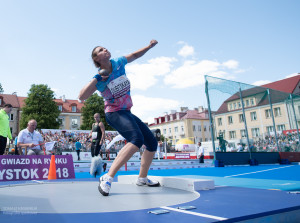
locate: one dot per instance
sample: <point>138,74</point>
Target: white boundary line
<point>195,213</point>
<point>257,171</point>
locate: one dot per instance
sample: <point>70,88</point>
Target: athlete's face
<point>102,54</point>
<point>97,118</point>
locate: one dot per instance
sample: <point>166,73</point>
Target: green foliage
<point>94,104</point>
<point>1,89</point>
<point>40,105</point>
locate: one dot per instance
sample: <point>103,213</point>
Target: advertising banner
<point>182,156</point>
<point>14,168</point>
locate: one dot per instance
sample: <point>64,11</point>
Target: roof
<point>10,99</point>
<point>19,102</point>
<point>189,114</point>
<point>68,103</point>
<point>286,85</point>
<point>276,96</point>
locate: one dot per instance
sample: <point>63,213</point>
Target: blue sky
<point>50,42</point>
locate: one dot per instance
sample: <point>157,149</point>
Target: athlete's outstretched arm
<point>88,90</point>
<point>133,56</point>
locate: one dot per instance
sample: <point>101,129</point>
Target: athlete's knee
<point>152,145</point>
<point>137,140</point>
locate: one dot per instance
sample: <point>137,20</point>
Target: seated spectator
<point>31,139</point>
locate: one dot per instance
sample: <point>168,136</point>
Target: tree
<point>94,104</point>
<point>40,105</point>
<point>1,89</point>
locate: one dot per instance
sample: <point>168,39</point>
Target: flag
<point>49,145</point>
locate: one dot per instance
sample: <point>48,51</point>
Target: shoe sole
<point>149,185</point>
<point>102,192</point>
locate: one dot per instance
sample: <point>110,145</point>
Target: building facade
<point>69,118</point>
<point>192,124</point>
<point>229,119</point>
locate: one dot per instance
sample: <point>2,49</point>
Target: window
<point>170,130</point>
<point>60,107</point>
<point>270,129</point>
<point>165,131</point>
<point>0,101</point>
<point>239,104</point>
<point>74,122</point>
<point>232,134</point>
<point>253,116</point>
<point>280,127</point>
<point>182,129</point>
<point>252,101</point>
<point>241,117</point>
<point>268,113</point>
<point>194,128</point>
<point>204,128</point>
<point>234,105</point>
<point>277,112</point>
<point>231,107</point>
<point>243,133</point>
<point>11,117</point>
<point>255,132</point>
<point>219,121</point>
<point>60,121</point>
<point>299,109</point>
<point>199,128</point>
<point>247,103</point>
<point>176,129</point>
<point>73,108</point>
<point>230,121</point>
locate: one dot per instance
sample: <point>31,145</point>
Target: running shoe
<point>105,184</point>
<point>147,182</point>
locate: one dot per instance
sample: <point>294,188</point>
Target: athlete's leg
<point>125,124</point>
<point>151,147</point>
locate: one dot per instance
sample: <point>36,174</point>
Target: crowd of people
<point>286,143</point>
<point>65,141</point>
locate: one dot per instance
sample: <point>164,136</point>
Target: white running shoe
<point>147,182</point>
<point>105,184</point>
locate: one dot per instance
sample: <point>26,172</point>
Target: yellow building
<point>229,117</point>
<point>193,124</point>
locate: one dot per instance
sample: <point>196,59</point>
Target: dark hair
<point>97,64</point>
<point>7,106</point>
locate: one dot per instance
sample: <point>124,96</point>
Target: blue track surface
<point>278,177</point>
<point>240,195</point>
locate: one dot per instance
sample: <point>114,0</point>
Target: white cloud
<point>186,51</point>
<point>261,82</point>
<point>143,76</point>
<point>191,73</point>
<point>292,75</point>
<point>231,64</point>
<point>148,108</point>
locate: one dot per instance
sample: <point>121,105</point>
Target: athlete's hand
<point>153,43</point>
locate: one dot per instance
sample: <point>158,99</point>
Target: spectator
<point>200,152</point>
<point>4,127</point>
<point>77,148</point>
<point>31,138</point>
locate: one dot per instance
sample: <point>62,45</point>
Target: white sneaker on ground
<point>147,182</point>
<point>105,184</point>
